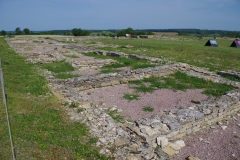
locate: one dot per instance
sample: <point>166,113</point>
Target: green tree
<point>18,30</point>
<point>3,32</point>
<point>26,31</point>
<point>76,32</point>
<point>80,32</point>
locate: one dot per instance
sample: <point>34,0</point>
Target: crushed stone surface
<point>160,100</point>
<point>214,143</point>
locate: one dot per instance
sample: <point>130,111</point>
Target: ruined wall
<point>186,120</point>
<point>103,80</point>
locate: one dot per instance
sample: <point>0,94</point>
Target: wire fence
<point>6,108</point>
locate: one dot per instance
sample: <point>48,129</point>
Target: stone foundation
<point>140,140</point>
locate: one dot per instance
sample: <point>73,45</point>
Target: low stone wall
<point>230,73</point>
<point>103,80</point>
<point>186,120</point>
<point>212,76</point>
<point>131,56</point>
<point>96,64</point>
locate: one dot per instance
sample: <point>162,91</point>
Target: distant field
<point>42,36</point>
<point>165,33</point>
<point>182,49</point>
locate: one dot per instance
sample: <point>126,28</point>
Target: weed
<point>80,110</point>
<point>122,47</point>
<point>58,67</point>
<point>148,109</point>
<point>71,55</point>
<point>101,103</point>
<point>235,136</point>
<point>114,115</point>
<point>131,97</point>
<point>65,103</point>
<point>143,88</point>
<point>73,105</point>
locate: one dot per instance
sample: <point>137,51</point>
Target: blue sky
<point>119,14</point>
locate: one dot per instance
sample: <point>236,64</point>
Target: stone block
<point>123,81</point>
<point>162,141</point>
<point>189,131</point>
<point>104,84</point>
<point>121,141</point>
<point>195,129</point>
<point>174,146</point>
<point>182,130</point>
<point>180,135</point>
<point>115,82</point>
<point>169,151</point>
<point>172,134</point>
<point>204,123</point>
<point>86,87</point>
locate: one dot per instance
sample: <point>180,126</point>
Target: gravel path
<point>214,143</point>
<point>160,100</point>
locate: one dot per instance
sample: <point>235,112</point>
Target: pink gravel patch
<point>160,100</point>
<point>43,49</point>
<point>214,144</point>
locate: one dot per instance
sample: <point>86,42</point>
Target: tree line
<point>200,32</point>
<point>123,32</point>
<point>129,30</point>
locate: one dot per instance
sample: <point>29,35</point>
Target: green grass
<point>40,128</point>
<point>114,115</point>
<point>122,62</point>
<point>58,67</point>
<point>71,56</point>
<point>194,52</point>
<point>131,97</point>
<point>148,109</point>
<point>180,81</point>
<point>232,78</point>
<point>73,105</point>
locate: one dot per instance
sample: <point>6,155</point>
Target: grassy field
<point>180,81</point>
<point>188,50</point>
<point>121,62</point>
<point>40,128</point>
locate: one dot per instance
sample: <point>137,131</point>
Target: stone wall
<point>186,120</point>
<point>176,123</point>
<point>131,56</point>
<point>103,80</point>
